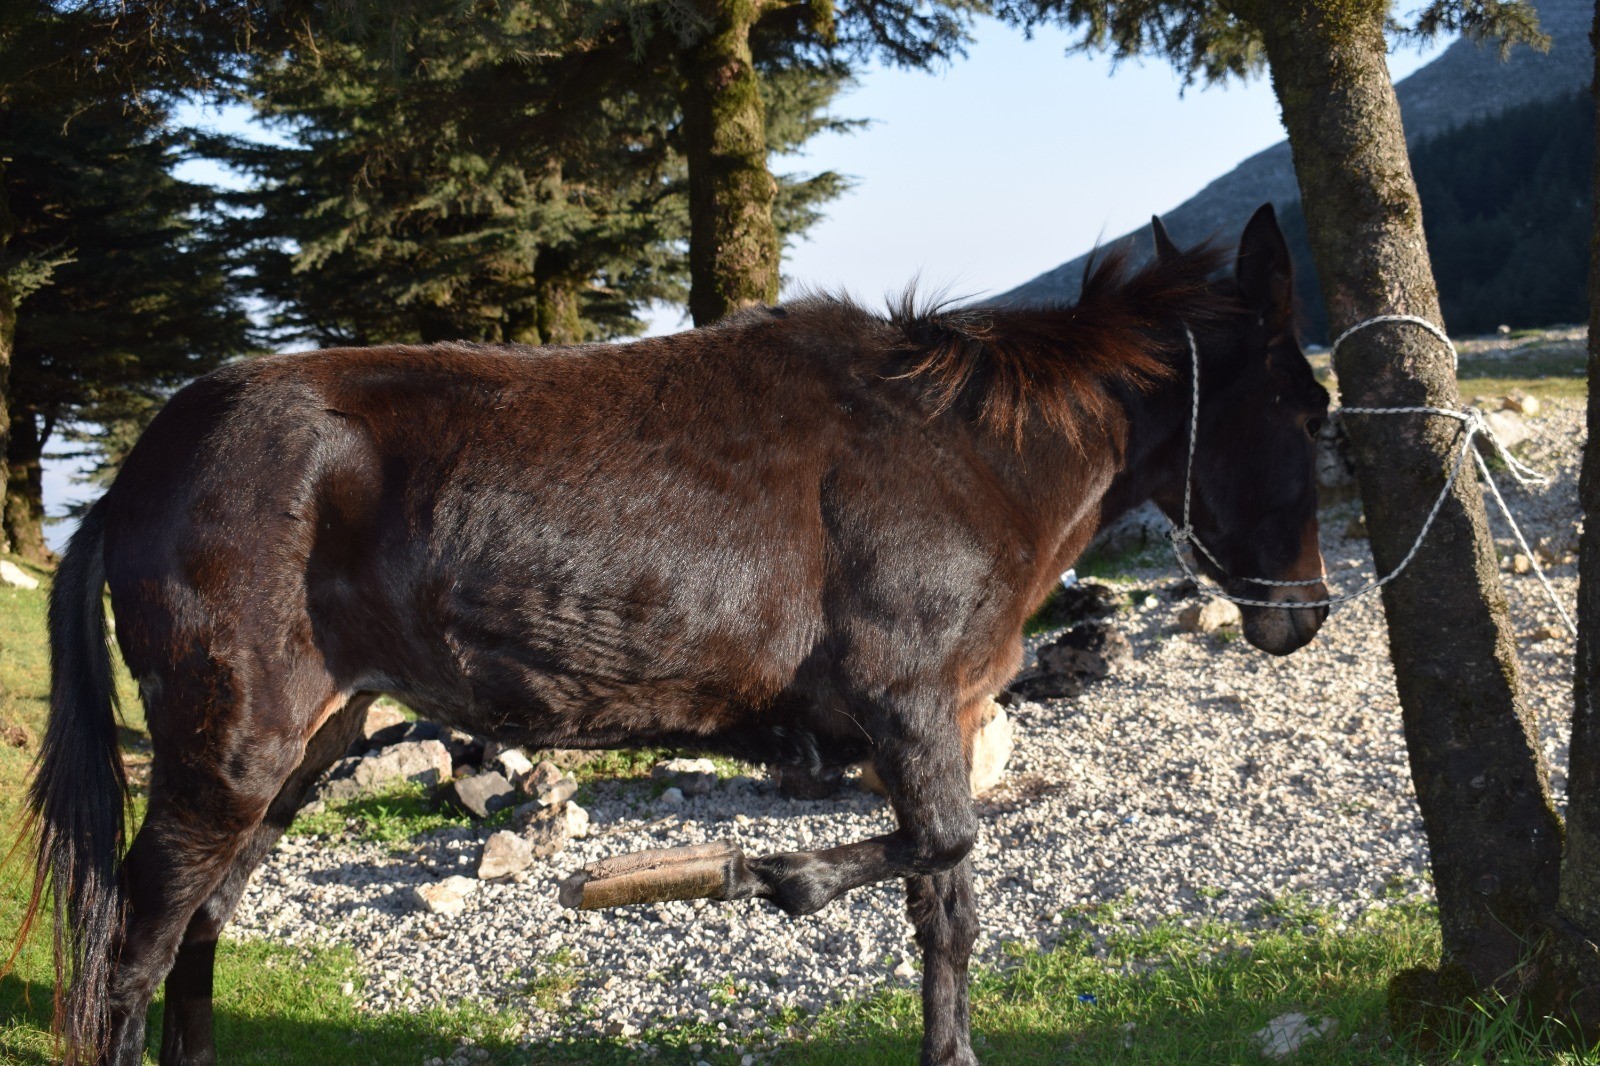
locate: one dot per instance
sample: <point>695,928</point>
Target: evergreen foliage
<point>499,178</point>
<point>118,292</point>
<point>1211,41</point>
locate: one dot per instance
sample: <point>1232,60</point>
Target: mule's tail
<point>78,798</point>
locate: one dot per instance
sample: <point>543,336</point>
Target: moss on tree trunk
<point>733,244</point>
<point>1570,969</point>
<point>558,312</point>
<point>1479,772</point>
<point>23,516</point>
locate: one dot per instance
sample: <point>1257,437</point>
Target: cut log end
<point>698,871</point>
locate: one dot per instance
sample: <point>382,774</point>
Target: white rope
<point>1473,424</point>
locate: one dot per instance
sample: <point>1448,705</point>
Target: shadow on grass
<point>282,1006</point>
<point>1167,993</point>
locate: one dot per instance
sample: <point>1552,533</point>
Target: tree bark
<point>1571,966</point>
<point>8,331</point>
<point>23,518</point>
<point>559,316</point>
<point>733,244</point>
<point>1479,773</point>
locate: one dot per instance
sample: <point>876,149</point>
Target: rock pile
<point>480,779</point>
<point>1083,654</point>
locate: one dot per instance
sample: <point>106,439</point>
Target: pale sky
<point>985,174</point>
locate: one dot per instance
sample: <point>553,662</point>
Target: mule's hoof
<point>697,871</point>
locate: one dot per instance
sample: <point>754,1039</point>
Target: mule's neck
<point>1152,461</point>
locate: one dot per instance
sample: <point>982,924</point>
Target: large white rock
<point>447,897</point>
<point>381,716</point>
<point>1284,1035</point>
<point>424,761</point>
<point>13,575</point>
<point>992,745</point>
<point>504,853</point>
<point>514,764</point>
<point>1209,616</point>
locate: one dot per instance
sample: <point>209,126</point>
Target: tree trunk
<point>1479,772</point>
<point>24,506</point>
<point>559,315</point>
<point>1571,967</point>
<point>733,244</point>
<point>8,330</point>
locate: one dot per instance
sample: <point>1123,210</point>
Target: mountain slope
<point>1467,82</point>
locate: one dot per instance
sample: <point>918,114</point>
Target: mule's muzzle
<point>1281,630</point>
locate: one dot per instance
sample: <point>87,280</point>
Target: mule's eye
<point>1313,427</point>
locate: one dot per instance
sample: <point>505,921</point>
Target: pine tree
<point>71,57</point>
<point>499,179</point>
<point>721,52</point>
<point>122,295</point>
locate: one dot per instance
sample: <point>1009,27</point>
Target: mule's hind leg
<point>209,790</point>
<point>187,1038</point>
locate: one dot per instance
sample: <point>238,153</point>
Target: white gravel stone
<point>1209,617</point>
<point>504,853</point>
<point>447,897</point>
<point>513,764</point>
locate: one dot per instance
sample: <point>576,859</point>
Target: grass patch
<point>551,987</point>
<point>396,815</point>
<point>1192,991</point>
<point>1186,991</point>
<point>1562,386</point>
<point>1554,370</point>
<point>1101,565</point>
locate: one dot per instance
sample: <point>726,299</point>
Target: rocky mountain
<point>1468,81</point>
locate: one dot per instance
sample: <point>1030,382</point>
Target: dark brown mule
<point>809,535</point>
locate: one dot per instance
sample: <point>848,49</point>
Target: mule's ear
<point>1166,251</point>
<point>1264,271</point>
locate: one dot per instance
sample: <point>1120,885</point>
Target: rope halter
<point>1473,424</point>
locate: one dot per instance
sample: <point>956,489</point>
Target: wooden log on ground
<point>696,871</point>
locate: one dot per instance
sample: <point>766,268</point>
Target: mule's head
<point>1254,503</point>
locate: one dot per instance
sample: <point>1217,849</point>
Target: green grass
<point>1555,370</point>
<point>1549,386</point>
<point>396,815</point>
<point>1186,991</point>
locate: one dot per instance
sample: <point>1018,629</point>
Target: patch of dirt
<point>15,735</point>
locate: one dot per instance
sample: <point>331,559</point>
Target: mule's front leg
<point>943,909</point>
<point>925,774</point>
<point>926,779</point>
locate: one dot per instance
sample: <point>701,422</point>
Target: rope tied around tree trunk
<point>1473,425</point>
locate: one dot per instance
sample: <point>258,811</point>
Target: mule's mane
<point>1062,362</point>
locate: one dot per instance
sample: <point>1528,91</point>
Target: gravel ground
<point>1204,778</point>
